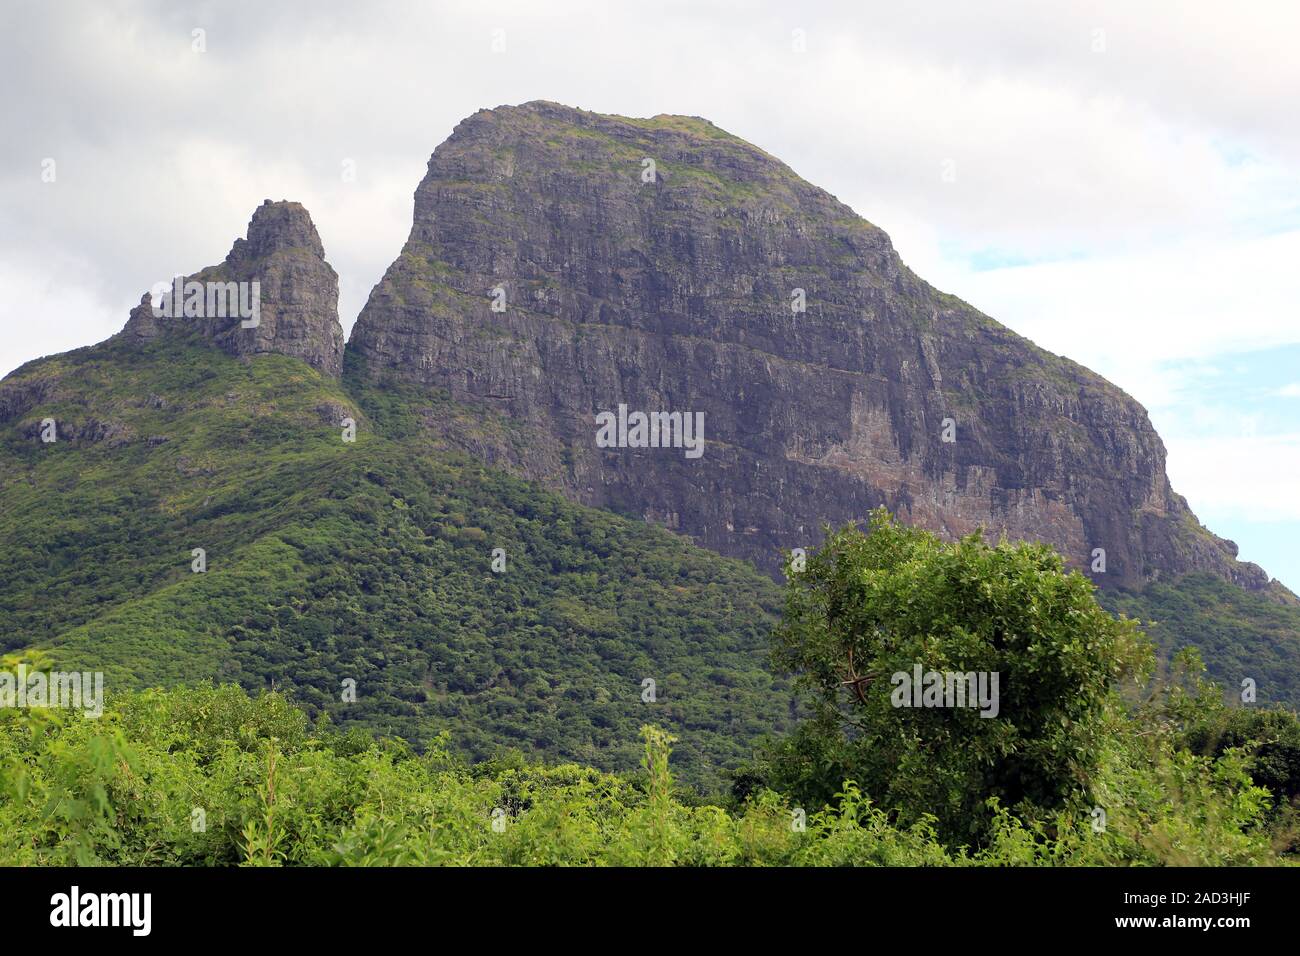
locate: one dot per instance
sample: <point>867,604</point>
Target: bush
<point>871,610</point>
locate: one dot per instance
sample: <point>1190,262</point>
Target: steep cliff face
<point>296,295</point>
<point>563,263</point>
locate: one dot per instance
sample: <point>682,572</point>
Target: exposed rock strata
<point>676,294</point>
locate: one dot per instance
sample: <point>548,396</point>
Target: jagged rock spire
<point>278,272</point>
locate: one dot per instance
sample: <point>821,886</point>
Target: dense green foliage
<point>368,561</point>
<point>872,609</point>
<point>1270,735</point>
<point>1239,634</point>
<point>210,776</point>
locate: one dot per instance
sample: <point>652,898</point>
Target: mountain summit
<point>281,267</point>
<point>565,264</point>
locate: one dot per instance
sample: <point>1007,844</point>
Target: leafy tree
<point>1266,738</point>
<point>870,607</point>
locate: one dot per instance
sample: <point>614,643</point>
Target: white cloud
<point>1246,477</point>
<point>1128,315</point>
<point>48,309</point>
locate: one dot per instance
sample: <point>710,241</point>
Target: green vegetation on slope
<point>204,776</point>
<point>214,776</point>
<point>1239,634</point>
<point>370,561</point>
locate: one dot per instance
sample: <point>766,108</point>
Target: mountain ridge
<point>665,292</point>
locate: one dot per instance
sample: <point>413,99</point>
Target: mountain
<point>676,292</point>
<point>549,278</point>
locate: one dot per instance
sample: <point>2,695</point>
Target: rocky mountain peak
<point>274,293</point>
<point>563,265</point>
<point>279,226</point>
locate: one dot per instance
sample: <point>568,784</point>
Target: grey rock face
<point>676,292</point>
<point>298,294</point>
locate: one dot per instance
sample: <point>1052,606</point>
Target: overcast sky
<point>1125,188</point>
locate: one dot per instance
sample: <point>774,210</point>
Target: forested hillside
<point>369,561</point>
<point>204,776</point>
<point>1240,634</point>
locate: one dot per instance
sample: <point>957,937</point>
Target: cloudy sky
<point>1123,178</point>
